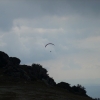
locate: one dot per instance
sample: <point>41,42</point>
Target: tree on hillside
<point>79,89</point>
<point>64,85</point>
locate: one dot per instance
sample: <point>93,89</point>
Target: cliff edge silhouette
<point>24,82</point>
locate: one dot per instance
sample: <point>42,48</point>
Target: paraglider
<point>49,44</point>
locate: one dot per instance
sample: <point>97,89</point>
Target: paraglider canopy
<point>49,44</point>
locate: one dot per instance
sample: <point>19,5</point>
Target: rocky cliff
<point>24,82</point>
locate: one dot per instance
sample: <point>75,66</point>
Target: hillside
<point>37,90</point>
<point>23,82</point>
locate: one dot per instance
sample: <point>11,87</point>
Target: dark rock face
<point>14,60</point>
<point>51,81</point>
<point>3,59</point>
<point>12,68</point>
<point>16,73</point>
<point>36,72</point>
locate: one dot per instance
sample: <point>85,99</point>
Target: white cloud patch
<point>74,68</point>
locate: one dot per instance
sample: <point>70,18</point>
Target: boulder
<point>15,60</point>
<point>4,58</point>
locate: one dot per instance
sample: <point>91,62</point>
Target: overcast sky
<point>26,26</point>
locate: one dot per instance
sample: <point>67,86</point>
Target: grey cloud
<point>87,8</point>
<point>28,49</point>
<point>16,9</point>
<point>10,10</point>
<point>72,25</point>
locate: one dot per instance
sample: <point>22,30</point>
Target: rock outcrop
<point>15,60</point>
<point>4,58</point>
<point>11,67</point>
<point>12,71</point>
